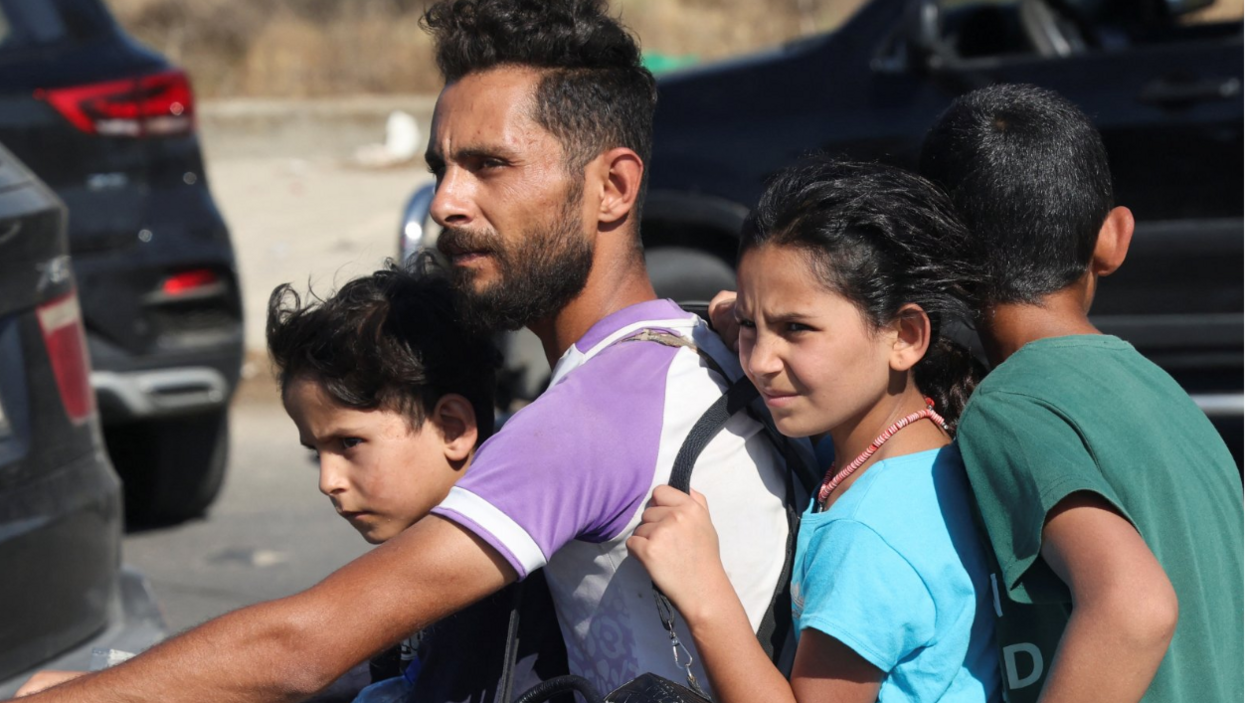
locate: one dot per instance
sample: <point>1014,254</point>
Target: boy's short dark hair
<point>1029,175</point>
<point>594,94</point>
<point>389,340</point>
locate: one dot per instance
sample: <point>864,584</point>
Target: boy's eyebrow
<point>336,433</point>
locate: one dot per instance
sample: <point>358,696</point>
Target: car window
<point>1217,13</point>
<point>26,25</point>
<point>973,29</point>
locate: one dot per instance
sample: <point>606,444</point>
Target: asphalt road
<point>270,534</point>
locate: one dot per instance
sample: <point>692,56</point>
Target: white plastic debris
<point>401,146</point>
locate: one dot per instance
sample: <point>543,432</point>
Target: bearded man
<point>539,144</point>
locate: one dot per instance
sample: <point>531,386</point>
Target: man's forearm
<point>251,654</point>
<point>288,649</point>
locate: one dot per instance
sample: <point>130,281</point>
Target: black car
<point>1165,92</point>
<point>110,126</point>
<point>64,591</point>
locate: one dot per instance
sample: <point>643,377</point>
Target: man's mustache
<point>455,240</point>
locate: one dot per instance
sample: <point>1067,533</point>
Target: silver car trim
<point>147,394</point>
<point>1220,404</point>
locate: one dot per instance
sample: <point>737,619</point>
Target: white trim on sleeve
<point>514,537</point>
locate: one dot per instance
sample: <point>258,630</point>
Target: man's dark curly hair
<point>593,95</point>
<point>389,340</point>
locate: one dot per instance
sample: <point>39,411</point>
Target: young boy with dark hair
<point>1101,485</point>
<point>394,396</point>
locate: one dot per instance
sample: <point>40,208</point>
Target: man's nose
<point>452,202</point>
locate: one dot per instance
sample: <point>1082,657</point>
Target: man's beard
<point>537,278</point>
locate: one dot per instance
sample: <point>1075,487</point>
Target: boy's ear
<point>914,334</point>
<point>620,171</point>
<point>1113,241</point>
<point>457,423</point>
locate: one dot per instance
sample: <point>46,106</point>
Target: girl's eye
<point>349,442</point>
<point>794,327</point>
<point>746,324</point>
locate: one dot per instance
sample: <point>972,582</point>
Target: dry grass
<point>307,48</point>
<point>288,48</point>
<point>303,48</point>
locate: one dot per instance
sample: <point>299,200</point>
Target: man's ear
<point>621,170</point>
<point>1113,241</point>
<point>913,335</point>
<point>457,425</point>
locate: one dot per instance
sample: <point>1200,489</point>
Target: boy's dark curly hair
<point>389,340</point>
<point>593,95</point>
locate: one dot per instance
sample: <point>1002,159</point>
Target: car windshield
<point>26,25</point>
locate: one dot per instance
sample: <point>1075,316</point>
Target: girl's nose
<point>760,356</point>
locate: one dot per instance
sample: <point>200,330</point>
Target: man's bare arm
<point>287,649</point>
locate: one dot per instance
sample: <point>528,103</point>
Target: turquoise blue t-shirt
<point>895,571</point>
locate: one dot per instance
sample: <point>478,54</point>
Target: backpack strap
<point>734,400</point>
<point>508,678</point>
<point>739,396</point>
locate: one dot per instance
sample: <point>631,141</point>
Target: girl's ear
<point>914,334</point>
<point>457,425</point>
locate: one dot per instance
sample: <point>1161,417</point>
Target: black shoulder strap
<point>734,400</point>
<point>508,678</point>
<point>772,631</point>
<point>737,398</point>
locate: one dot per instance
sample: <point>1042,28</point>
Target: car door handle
<point>7,233</point>
<point>1170,92</point>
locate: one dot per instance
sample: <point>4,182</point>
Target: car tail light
<point>60,320</point>
<point>158,104</point>
<point>188,281</point>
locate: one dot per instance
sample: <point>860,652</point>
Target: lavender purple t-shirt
<point>563,485</point>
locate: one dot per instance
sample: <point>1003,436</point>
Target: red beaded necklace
<point>832,480</point>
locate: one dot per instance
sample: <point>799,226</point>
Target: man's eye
<point>745,324</point>
<point>349,442</point>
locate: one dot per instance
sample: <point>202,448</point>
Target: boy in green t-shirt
<point>1106,495</point>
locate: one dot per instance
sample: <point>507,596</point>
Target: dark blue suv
<point>110,127</point>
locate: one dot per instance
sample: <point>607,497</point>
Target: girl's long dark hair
<point>882,238</point>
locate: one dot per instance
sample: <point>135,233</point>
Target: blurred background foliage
<point>313,48</point>
<point>309,48</point>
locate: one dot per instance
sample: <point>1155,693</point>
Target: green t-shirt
<point>1089,413</point>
